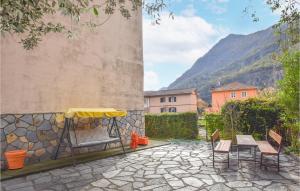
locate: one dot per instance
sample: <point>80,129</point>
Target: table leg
<point>254,157</point>
<point>238,156</point>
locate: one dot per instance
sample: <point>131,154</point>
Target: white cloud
<point>151,80</point>
<point>221,1</point>
<point>216,8</point>
<point>180,41</point>
<point>189,11</point>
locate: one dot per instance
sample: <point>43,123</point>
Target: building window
<point>146,102</point>
<point>162,99</point>
<point>244,94</point>
<point>163,109</point>
<point>232,94</point>
<point>172,99</point>
<point>172,109</point>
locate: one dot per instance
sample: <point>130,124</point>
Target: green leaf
<point>95,11</point>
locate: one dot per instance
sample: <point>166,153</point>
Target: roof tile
<point>169,92</point>
<point>234,86</point>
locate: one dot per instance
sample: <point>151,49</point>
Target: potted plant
<point>15,159</point>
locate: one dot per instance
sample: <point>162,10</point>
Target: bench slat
<point>266,148</point>
<point>223,146</point>
<point>92,143</point>
<point>275,136</point>
<point>215,135</point>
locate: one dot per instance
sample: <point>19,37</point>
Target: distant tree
<point>289,85</point>
<point>268,93</point>
<point>290,18</point>
<point>288,23</point>
<point>288,94</point>
<point>289,97</point>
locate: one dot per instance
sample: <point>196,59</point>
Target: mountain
<point>242,58</point>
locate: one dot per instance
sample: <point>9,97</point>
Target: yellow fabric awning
<point>94,112</point>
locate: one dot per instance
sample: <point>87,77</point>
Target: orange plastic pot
<point>143,141</point>
<point>134,140</point>
<point>15,159</point>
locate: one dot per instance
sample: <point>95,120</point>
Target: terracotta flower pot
<point>15,159</point>
<point>143,141</point>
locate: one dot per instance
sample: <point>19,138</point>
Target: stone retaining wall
<point>39,133</point>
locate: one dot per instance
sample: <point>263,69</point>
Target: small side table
<point>246,141</point>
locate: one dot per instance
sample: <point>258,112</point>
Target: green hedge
<point>213,121</point>
<point>255,116</point>
<point>252,117</point>
<point>172,125</point>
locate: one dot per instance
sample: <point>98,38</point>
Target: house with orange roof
<point>231,91</point>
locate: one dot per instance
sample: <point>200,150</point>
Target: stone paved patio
<point>179,166</point>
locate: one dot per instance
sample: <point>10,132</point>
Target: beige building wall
<point>103,68</point>
<point>184,103</point>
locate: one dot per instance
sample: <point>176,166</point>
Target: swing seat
<point>93,143</point>
<point>83,137</point>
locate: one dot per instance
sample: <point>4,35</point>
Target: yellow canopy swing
<point>71,113</point>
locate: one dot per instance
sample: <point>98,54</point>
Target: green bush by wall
<point>213,121</point>
<point>252,116</point>
<point>172,125</point>
<point>255,116</point>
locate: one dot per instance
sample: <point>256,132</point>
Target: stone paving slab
<point>68,161</point>
<point>184,165</point>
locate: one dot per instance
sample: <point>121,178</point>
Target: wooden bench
<point>267,149</point>
<point>223,146</point>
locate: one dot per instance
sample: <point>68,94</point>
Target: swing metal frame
<point>70,125</point>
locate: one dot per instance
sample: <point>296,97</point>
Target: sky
<point>172,47</point>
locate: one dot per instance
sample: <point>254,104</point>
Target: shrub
<point>172,125</point>
<point>289,86</point>
<point>252,116</point>
<point>290,131</point>
<point>255,116</point>
<point>289,97</point>
<point>213,121</point>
